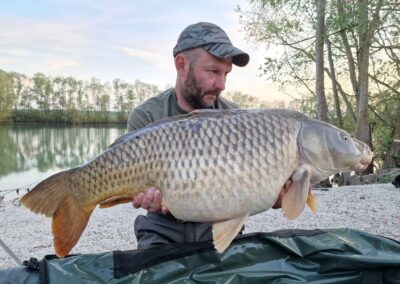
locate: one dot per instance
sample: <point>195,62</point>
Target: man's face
<point>205,80</point>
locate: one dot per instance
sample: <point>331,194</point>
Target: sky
<point>126,39</point>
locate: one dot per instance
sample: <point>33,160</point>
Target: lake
<point>30,153</point>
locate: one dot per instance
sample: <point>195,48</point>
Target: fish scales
<point>225,158</point>
<point>218,166</point>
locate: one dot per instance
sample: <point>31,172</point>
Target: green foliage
<point>305,105</point>
<point>384,119</point>
<point>283,23</point>
<point>66,100</point>
<point>44,99</point>
<point>288,29</point>
<point>68,117</point>
<point>6,95</point>
<point>42,90</point>
<point>245,101</point>
<point>382,138</point>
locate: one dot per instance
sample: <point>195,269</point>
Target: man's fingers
<point>157,197</point>
<point>165,210</point>
<point>287,185</point>
<point>284,190</point>
<point>156,203</point>
<point>137,200</point>
<point>148,198</point>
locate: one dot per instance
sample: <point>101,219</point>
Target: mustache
<point>212,92</point>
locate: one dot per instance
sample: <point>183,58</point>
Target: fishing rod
<point>26,188</point>
<point>2,244</point>
<point>10,252</point>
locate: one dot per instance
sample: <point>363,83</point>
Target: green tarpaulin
<point>295,256</point>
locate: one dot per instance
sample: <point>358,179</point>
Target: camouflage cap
<point>213,39</point>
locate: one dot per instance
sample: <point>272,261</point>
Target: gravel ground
<point>372,208</point>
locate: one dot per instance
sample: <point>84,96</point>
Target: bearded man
<point>203,59</point>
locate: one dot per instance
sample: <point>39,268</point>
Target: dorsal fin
<point>215,113</point>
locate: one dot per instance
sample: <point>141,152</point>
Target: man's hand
<point>285,189</point>
<point>150,200</point>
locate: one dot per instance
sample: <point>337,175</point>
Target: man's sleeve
<point>137,119</point>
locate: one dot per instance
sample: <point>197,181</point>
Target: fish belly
<point>229,168</point>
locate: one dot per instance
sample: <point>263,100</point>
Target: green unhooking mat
<point>293,256</point>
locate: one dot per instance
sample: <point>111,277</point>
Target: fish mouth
<point>365,162</point>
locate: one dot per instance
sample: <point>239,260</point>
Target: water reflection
<point>46,149</point>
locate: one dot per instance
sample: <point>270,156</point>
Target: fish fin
<point>224,232</point>
<point>195,113</point>
<point>312,202</point>
<point>47,196</point>
<point>69,221</point>
<point>115,200</point>
<point>294,201</point>
<point>53,198</point>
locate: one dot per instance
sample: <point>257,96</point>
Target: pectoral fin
<point>294,201</point>
<point>115,200</point>
<point>224,232</point>
<point>312,202</point>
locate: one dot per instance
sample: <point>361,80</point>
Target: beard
<point>195,96</point>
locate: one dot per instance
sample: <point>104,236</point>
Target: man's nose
<point>220,83</point>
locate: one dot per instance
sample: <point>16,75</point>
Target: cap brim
<point>225,50</point>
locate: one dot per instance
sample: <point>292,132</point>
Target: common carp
<point>210,165</point>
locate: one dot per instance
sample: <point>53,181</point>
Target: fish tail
<point>53,198</point>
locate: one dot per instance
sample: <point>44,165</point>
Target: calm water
<point>31,153</point>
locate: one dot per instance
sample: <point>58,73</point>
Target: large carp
<point>210,165</point>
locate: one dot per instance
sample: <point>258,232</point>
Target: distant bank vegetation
<point>67,100</point>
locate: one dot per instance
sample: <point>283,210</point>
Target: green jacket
<point>162,106</point>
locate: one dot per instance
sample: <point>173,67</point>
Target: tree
<point>59,96</point>
<point>142,91</point>
<point>6,95</point>
<point>357,33</point>
<point>18,87</point>
<point>338,111</point>
<point>392,158</point>
<point>322,106</point>
<point>42,91</point>
<point>245,101</point>
<point>121,92</point>
<point>94,90</point>
<point>386,126</point>
<point>104,100</point>
<point>73,91</point>
<point>366,31</point>
<point>79,90</point>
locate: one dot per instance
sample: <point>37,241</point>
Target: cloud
<point>151,57</point>
<point>32,45</point>
<point>59,64</point>
<point>14,52</point>
<point>27,34</point>
<point>161,60</point>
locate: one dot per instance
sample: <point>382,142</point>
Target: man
<point>203,58</point>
